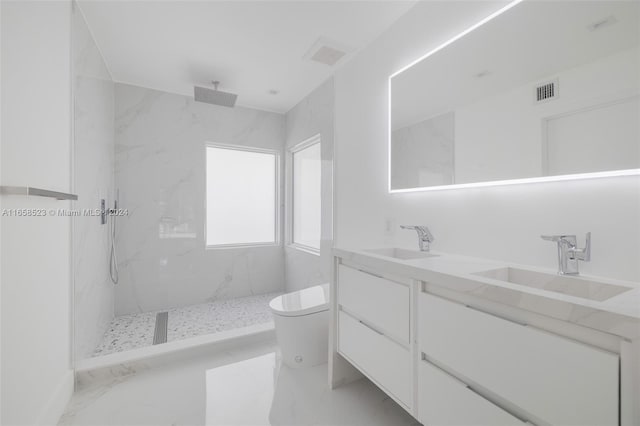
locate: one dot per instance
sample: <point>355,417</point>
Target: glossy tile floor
<point>239,385</point>
<point>136,330</point>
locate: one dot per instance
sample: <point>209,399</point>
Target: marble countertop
<point>618,315</point>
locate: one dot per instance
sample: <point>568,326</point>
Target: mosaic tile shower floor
<point>136,330</point>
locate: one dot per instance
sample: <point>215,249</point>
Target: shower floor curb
<point>140,354</point>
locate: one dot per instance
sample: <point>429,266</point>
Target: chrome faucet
<point>424,235</point>
<point>568,252</point>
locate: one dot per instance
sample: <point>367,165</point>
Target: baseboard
<point>58,401</point>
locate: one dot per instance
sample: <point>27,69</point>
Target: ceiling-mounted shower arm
<point>214,96</point>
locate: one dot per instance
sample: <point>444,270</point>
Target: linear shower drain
<point>160,332</point>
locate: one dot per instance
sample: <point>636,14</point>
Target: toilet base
<point>303,340</point>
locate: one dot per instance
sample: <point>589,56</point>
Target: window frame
<point>277,195</point>
<point>313,140</point>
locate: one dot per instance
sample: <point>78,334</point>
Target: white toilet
<point>302,326</point>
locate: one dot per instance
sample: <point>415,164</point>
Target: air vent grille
<point>547,91</point>
<point>327,55</point>
<point>328,52</point>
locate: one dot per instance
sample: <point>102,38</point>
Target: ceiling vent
<point>327,52</point>
<point>546,91</point>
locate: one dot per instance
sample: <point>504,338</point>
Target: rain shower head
<point>214,96</point>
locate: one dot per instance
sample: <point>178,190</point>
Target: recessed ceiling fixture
<point>601,23</point>
<point>327,52</point>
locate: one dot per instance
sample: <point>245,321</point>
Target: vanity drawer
<point>443,400</point>
<point>382,360</point>
<point>554,379</point>
<point>380,302</point>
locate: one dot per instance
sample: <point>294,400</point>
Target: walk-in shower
<point>144,152</point>
<point>219,316</point>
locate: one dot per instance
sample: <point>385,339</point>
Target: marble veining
<point>93,151</point>
<point>136,330</point>
<point>160,171</point>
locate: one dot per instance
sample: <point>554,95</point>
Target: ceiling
<point>251,47</point>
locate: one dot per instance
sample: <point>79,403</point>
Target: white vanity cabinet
<point>546,378</point>
<point>385,362</point>
<point>451,357</point>
<point>444,400</point>
<point>383,303</point>
<point>374,330</point>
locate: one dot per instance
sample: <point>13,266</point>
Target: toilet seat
<point>302,302</point>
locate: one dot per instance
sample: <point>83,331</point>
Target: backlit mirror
<point>543,90</point>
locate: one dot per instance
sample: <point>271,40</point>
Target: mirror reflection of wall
<point>423,153</point>
<point>558,94</point>
<point>573,142</point>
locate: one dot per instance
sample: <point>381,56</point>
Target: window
<point>241,196</point>
<point>306,206</point>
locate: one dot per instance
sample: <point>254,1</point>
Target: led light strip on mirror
<point>438,163</point>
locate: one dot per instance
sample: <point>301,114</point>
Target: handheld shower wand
<point>113,259</point>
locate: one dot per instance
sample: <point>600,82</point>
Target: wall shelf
<point>30,191</point>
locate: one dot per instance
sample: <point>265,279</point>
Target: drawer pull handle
<point>490,401</point>
<point>370,328</point>
<point>524,324</point>
<point>371,273</point>
<point>444,370</point>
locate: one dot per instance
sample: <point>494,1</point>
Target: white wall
<point>311,116</point>
<point>160,171</point>
<point>1,118</point>
<point>94,151</point>
<point>37,379</point>
<point>496,222</point>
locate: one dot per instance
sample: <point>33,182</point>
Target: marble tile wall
<point>313,115</point>
<point>94,150</point>
<point>160,172</point>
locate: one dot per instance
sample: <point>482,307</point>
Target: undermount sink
<point>569,285</point>
<point>400,253</point>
